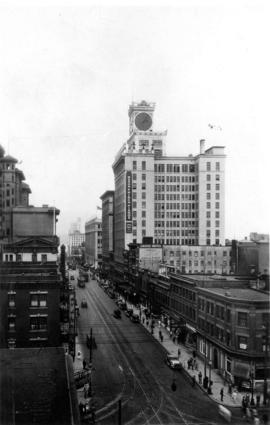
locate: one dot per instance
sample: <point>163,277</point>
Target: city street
<point>128,364</point>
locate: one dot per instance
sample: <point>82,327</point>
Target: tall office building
<point>93,242</point>
<point>175,200</point>
<point>107,227</point>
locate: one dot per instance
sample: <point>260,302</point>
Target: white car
<point>173,362</point>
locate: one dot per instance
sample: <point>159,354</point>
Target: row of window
<point>208,195</point>
<point>175,179</point>
<point>36,323</point>
<point>196,253</point>
<point>18,258</point>
<point>35,300</point>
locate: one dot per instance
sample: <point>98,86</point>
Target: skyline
<point>67,84</point>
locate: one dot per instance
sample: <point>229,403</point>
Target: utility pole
<point>119,412</point>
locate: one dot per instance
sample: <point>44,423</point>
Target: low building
<point>198,259</point>
<point>93,242</point>
<point>231,327</point>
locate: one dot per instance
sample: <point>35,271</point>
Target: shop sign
<point>128,202</point>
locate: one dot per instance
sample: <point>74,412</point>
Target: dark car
<point>173,362</point>
<point>117,314</point>
<point>128,312</point>
<point>135,318</point>
<point>84,303</point>
<point>123,306</point>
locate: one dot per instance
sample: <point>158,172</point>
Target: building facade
<point>93,242</point>
<point>107,228</point>
<point>13,192</point>
<point>198,259</point>
<point>174,200</point>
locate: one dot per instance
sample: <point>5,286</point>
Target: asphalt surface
<point>129,366</point>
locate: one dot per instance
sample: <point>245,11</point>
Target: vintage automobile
<point>84,303</point>
<point>117,313</point>
<point>173,362</point>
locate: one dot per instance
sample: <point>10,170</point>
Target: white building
<point>93,242</point>
<point>173,200</point>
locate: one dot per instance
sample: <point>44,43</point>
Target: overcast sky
<point>68,74</point>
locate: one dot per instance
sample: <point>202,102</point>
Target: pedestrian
<point>258,397</point>
<point>143,320</point>
<point>179,353</point>
<point>161,338</point>
<point>200,377</point>
<point>84,363</point>
<point>173,339</point>
<point>221,394</point>
<point>234,395</point>
<point>193,380</point>
<point>230,389</point>
<point>170,333</point>
<point>195,365</point>
<point>194,353</point>
<point>147,323</point>
<point>159,323</point>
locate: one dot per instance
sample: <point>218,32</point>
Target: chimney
<point>202,146</point>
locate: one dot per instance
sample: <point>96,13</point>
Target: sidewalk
<point>186,353</point>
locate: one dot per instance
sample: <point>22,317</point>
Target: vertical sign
<point>128,202</point>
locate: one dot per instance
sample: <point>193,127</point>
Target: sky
<point>69,72</point>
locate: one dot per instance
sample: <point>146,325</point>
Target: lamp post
<point>210,365</point>
<point>265,346</point>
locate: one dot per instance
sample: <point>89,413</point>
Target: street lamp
<point>210,364</point>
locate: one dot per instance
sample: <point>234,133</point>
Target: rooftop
<point>37,387</point>
<point>245,294</point>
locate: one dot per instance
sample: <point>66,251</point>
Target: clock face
<point>143,121</point>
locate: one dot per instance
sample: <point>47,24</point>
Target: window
<point>134,165</point>
<point>134,176</point>
<point>208,223</point>
<point>217,205</point>
<point>242,342</point>
<point>208,205</point>
<point>208,166</point>
<point>143,223</point>
<point>143,176</point>
<point>134,195</point>
<point>143,165</point>
<point>143,186</point>
<point>217,166</point>
<point>217,177</point>
<point>143,195</point>
<point>134,204</point>
<point>242,319</point>
<point>217,214</point>
<point>144,214</point>
<point>218,186</point>
<point>208,195</point>
<point>38,323</point>
<point>217,196</point>
<point>208,214</point>
<point>11,323</point>
<point>134,186</point>
<point>208,177</point>
<point>217,223</point>
<point>143,204</point>
<point>44,258</point>
<point>11,300</point>
<point>134,213</point>
<point>38,300</point>
<point>208,186</point>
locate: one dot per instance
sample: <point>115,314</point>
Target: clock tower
<point>141,116</point>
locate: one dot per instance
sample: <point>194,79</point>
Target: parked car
<point>117,313</point>
<point>128,312</point>
<point>135,318</point>
<point>84,303</point>
<point>173,362</point>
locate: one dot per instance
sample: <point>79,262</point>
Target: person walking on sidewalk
<point>200,377</point>
<point>221,394</point>
<point>193,380</point>
<point>179,353</point>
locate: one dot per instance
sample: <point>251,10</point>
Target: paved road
<point>129,365</point>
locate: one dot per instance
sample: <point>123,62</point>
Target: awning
<point>190,328</point>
